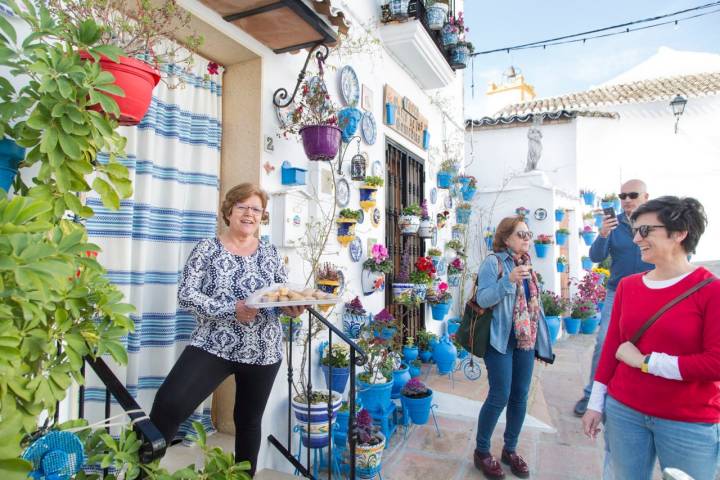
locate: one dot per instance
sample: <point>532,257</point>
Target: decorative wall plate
<point>368,127</point>
<point>362,217</point>
<point>341,281</point>
<point>376,217</point>
<point>433,240</point>
<point>342,192</point>
<point>349,85</point>
<point>433,195</point>
<point>377,169</point>
<point>540,214</point>
<point>448,202</point>
<point>355,249</point>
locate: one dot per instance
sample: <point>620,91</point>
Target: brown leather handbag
<point>474,331</point>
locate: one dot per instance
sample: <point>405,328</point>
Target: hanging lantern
<point>358,167</point>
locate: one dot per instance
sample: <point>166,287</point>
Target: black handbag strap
<point>668,306</point>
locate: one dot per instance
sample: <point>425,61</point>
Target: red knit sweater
<point>690,330</point>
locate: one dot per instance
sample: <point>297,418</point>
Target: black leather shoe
<point>581,406</point>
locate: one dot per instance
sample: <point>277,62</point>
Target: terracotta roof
<point>529,117</point>
<point>658,89</point>
<point>334,14</point>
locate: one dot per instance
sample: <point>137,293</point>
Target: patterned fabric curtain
<point>174,162</point>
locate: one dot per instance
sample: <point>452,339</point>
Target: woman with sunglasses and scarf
<point>518,332</point>
<point>660,392</point>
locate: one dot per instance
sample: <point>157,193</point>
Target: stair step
<point>273,475</point>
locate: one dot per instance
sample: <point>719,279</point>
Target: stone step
<point>273,475</point>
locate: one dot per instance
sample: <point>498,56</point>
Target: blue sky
<point>574,67</point>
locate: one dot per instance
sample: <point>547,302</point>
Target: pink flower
<point>443,287</point>
<point>212,68</point>
<point>379,253</point>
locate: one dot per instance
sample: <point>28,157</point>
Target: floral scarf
<point>526,313</point>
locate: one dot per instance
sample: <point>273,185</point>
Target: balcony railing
<point>417,11</point>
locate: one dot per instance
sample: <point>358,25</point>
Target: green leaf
<point>49,140</point>
<point>62,177</point>
<point>88,33</point>
<point>107,193</point>
<point>69,145</point>
<point>117,350</point>
<point>110,51</point>
<point>65,87</point>
<point>113,89</point>
<point>7,29</point>
<point>109,105</point>
<point>81,167</point>
<point>32,210</point>
<point>14,469</point>
<point>9,353</point>
<point>37,120</point>
<point>123,186</point>
<point>72,202</point>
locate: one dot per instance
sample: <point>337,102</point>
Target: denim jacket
<point>500,296</point>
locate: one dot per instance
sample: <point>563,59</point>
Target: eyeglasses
<point>632,195</point>
<point>246,208</point>
<point>644,230</point>
<point>524,234</point>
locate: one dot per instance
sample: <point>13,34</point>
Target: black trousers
<point>195,376</point>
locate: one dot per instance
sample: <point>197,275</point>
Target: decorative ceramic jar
<point>409,224</point>
<point>436,15</point>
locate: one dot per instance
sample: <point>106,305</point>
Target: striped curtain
<point>174,159</point>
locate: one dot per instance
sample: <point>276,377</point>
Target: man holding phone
<point>615,239</point>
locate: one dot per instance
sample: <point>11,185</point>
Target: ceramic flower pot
<point>468,193</point>
<point>399,8</point>
<point>321,142</point>
<point>589,198</point>
<point>561,267</point>
<point>439,310</point>
<point>588,326</point>
<point>345,230</point>
<point>420,291</point>
<point>587,263</point>
<point>589,237</point>
<point>444,179</point>
<point>402,292</point>
<point>368,459</point>
<point>410,354</point>
<point>368,197</point>
<point>353,323</point>
<point>561,238</point>
<point>542,249</point>
<point>454,279</point>
<point>462,215</point>
<point>459,55</point>
<point>375,397</point>
<point>445,354</point>
<point>425,230</point>
<point>338,381</point>
<point>418,408</point>
<point>436,16</point>
<point>400,378</point>
<point>553,324</point>
<point>409,224</point>
<point>572,325</point>
<point>448,36</point>
<point>372,281</point>
<point>559,215</point>
<point>11,154</point>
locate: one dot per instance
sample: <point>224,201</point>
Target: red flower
<point>212,68</point>
<point>425,264</point>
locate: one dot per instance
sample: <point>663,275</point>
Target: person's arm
<point>608,363</point>
<point>191,298</point>
<point>490,290</point>
<point>704,366</point>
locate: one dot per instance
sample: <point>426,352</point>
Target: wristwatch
<point>645,367</point>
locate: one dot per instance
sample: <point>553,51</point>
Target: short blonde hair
<point>240,193</point>
<point>503,231</point>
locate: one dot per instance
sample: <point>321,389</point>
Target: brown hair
<point>503,231</point>
<point>240,193</point>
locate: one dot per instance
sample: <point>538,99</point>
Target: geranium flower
<point>212,68</point>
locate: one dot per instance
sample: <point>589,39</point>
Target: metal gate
<point>405,185</point>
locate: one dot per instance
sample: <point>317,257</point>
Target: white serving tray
<point>256,300</point>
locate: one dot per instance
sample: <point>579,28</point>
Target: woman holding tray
<point>231,338</point>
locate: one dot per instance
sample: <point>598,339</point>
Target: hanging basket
<point>320,142</point>
<point>462,215</point>
<point>458,56</point>
<point>137,79</point>
<point>444,179</point>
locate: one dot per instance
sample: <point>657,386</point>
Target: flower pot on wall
<point>559,215</point>
<point>320,142</point>
<point>468,193</point>
<point>137,79</point>
<point>459,55</point>
<point>399,8</point>
<point>372,281</point>
<point>409,224</point>
<point>462,215</point>
<point>587,264</point>
<point>390,113</point>
<point>439,310</point>
<point>10,157</point>
<point>292,176</point>
<point>561,267</point>
<point>426,139</point>
<point>561,238</point>
<point>589,237</point>
<point>340,377</point>
<point>444,179</point>
<point>589,198</point>
<point>420,291</point>
<point>368,196</point>
<point>426,228</point>
<point>449,35</point>
<point>353,323</point>
<point>402,292</point>
<point>542,249</point>
<point>454,280</point>
<point>436,15</point>
<point>345,230</point>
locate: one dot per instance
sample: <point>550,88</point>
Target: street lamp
<point>678,107</point>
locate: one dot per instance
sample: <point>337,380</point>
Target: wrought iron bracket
<point>280,96</point>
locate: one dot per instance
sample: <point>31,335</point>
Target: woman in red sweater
<point>661,395</point>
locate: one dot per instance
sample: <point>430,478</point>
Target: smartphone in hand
<point>609,211</point>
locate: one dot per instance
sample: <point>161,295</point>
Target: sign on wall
<point>408,121</point>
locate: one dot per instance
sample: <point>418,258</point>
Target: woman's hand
<point>294,311</point>
<point>244,314</point>
<point>629,354</point>
<point>520,273</point>
<point>591,423</point>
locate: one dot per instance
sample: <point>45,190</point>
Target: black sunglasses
<point>644,230</point>
<point>632,195</point>
<point>525,234</point>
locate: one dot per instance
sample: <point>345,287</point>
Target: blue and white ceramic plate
<point>433,241</point>
<point>377,169</point>
<point>341,281</point>
<point>316,84</point>
<point>342,192</point>
<point>349,86</point>
<point>362,217</point>
<point>369,128</point>
<point>355,249</point>
<point>448,202</point>
<point>376,217</point>
<point>433,195</point>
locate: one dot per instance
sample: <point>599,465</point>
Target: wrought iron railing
<point>357,358</point>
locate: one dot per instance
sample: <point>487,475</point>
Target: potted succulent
<point>368,191</point>
<point>542,245</point>
<point>462,213</point>
<point>559,214</point>
<point>402,289</point>
<point>455,270</point>
<point>425,230</point>
<point>422,277</point>
<point>435,255</point>
<point>425,340</point>
<point>455,248</point>
<point>554,308</point>
<point>409,220</point>
<point>562,264</point>
<point>369,446</point>
<point>588,197</point>
<point>410,350</point>
<point>436,14</point>
<point>285,322</point>
<point>588,235</point>
<point>133,52</point>
<point>561,236</point>
<point>347,218</point>
<point>416,399</point>
<point>335,364</point>
<point>375,268</point>
<point>469,187</point>
<point>354,318</point>
<point>448,170</point>
<point>440,301</point>
<point>415,368</point>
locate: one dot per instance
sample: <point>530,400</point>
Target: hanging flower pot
<point>426,228</point>
<point>348,121</point>
<point>559,215</point>
<point>339,379</point>
<point>468,193</point>
<point>445,354</point>
<point>10,157</point>
<point>449,35</point>
<point>399,8</point>
<point>137,79</point>
<point>439,310</point>
<point>320,142</point>
<point>589,198</point>
<point>561,237</point>
<point>454,280</point>
<point>368,197</point>
<point>409,224</point>
<point>346,230</point>
<point>372,281</point>
<point>403,292</point>
<point>587,264</point>
<point>444,179</point>
<point>462,215</point>
<point>458,55</point>
<point>390,113</point>
<point>599,220</point>
<point>616,204</point>
<point>420,291</point>
<point>436,15</point>
<point>589,237</point>
<point>542,249</point>
<point>561,267</point>
<point>328,286</point>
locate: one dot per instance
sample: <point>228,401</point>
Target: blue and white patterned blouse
<point>213,280</point>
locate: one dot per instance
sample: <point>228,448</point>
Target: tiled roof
<point>659,89</point>
<point>335,15</point>
<point>529,117</point>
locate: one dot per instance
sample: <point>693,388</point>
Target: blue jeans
<point>509,375</point>
<point>637,439</point>
<point>600,339</point>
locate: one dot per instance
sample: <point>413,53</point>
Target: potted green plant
<point>335,364</point>
<point>375,268</point>
<point>562,264</point>
<point>440,301</point>
<point>435,255</point>
<point>456,248</point>
<point>610,200</point>
<point>425,340</point>
<point>410,350</point>
<point>462,213</point>
<point>542,245</point>
<point>409,220</point>
<point>131,45</point>
<point>561,236</point>
<point>588,235</point>
<point>327,279</point>
<point>347,218</point>
<point>581,308</point>
<point>422,277</point>
<point>402,289</point>
<point>448,170</point>
<point>588,197</point>
<point>368,191</point>
<point>455,270</point>
<point>554,308</point>
<point>426,228</point>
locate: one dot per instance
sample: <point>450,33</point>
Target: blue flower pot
<point>572,325</point>
<point>452,327</point>
<point>454,280</point>
<point>589,198</point>
<point>445,355</point>
<point>426,139</point>
<point>436,260</point>
<point>588,326</point>
<point>462,353</point>
<point>598,220</point>
<point>444,179</point>
<point>292,176</point>
<point>616,205</point>
<point>458,56</point>
<point>399,8</point>
<point>561,238</point>
<point>390,113</point>
<point>553,324</point>
<point>386,333</point>
<point>439,310</point>
<point>559,215</point>
<point>589,237</point>
<point>420,291</point>
<point>436,17</point>
<point>561,267</point>
<point>418,408</point>
<point>462,215</point>
<point>587,264</point>
<point>353,323</point>
<point>400,378</point>
<point>431,344</point>
<point>10,157</point>
<point>339,379</point>
<point>402,291</point>
<point>415,371</point>
<point>542,249</point>
<point>468,193</point>
<point>464,181</point>
<point>297,328</point>
<point>410,354</point>
<point>448,37</point>
<point>425,356</point>
<point>375,397</point>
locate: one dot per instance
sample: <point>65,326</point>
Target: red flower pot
<point>321,142</point>
<point>137,79</point>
